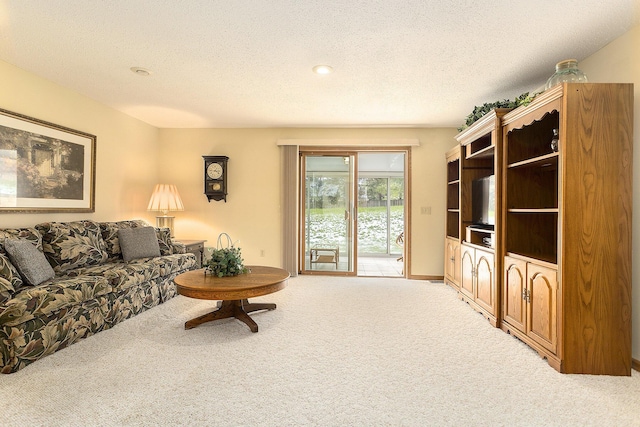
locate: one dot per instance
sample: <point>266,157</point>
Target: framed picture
<point>45,167</point>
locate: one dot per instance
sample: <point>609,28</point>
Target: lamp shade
<point>165,198</point>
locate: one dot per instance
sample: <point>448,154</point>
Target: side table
<point>195,247</point>
<point>326,254</point>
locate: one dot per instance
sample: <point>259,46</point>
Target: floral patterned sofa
<point>93,288</point>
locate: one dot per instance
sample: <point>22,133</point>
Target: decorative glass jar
<point>566,71</point>
<point>554,141</point>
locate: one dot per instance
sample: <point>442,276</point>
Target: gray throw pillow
<point>141,242</point>
<point>30,262</point>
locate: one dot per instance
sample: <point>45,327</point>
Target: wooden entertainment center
<point>554,269</point>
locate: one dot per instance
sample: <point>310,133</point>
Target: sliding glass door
<point>328,212</point>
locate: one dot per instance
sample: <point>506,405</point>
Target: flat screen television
<point>483,196</point>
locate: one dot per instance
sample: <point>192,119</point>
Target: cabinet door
<point>448,258</point>
<point>456,263</point>
<point>541,310</point>
<point>452,261</point>
<point>514,304</point>
<point>467,257</point>
<point>485,295</point>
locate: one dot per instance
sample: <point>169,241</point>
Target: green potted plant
<point>226,261</point>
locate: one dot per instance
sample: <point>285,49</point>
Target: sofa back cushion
<point>10,280</point>
<point>31,234</point>
<point>164,241</point>
<point>69,245</point>
<point>112,242</point>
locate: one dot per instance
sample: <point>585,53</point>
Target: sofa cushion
<point>141,242</point>
<point>121,275</point>
<point>30,262</point>
<point>59,293</point>
<point>69,245</point>
<point>171,264</point>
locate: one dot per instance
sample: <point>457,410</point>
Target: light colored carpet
<point>336,352</point>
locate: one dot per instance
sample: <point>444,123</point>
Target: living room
<point>132,156</point>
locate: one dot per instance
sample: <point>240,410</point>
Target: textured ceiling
<point>247,63</point>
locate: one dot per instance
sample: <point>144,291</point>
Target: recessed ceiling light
<point>141,71</point>
<point>322,69</point>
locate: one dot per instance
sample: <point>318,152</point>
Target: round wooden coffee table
<point>233,291</point>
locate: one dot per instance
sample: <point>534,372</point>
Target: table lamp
<point>165,198</point>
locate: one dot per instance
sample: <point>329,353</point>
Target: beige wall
<point>132,156</point>
<point>253,214</point>
<point>619,62</point>
<point>126,163</point>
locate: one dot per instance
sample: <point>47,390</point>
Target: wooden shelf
<point>533,211</point>
<point>546,160</point>
<point>532,185</point>
<point>532,142</point>
<point>479,246</point>
<point>548,259</point>
<point>526,258</point>
<point>481,229</point>
<point>481,236</point>
<point>484,153</point>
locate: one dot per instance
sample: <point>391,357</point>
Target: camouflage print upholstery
<point>93,290</point>
<point>10,280</point>
<point>70,245</point>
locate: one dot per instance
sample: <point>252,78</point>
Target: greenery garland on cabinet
<point>479,111</point>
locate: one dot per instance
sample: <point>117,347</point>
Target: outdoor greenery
<point>327,227</point>
<point>372,229</point>
<point>330,191</point>
<point>327,203</point>
<point>375,189</point>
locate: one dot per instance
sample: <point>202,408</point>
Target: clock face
<point>214,171</point>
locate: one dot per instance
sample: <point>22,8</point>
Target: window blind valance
<point>351,142</point>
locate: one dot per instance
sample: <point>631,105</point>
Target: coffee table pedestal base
<point>232,308</point>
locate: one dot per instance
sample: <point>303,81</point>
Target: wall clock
<point>215,177</point>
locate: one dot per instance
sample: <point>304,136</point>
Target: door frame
<point>351,209</point>
<point>328,150</point>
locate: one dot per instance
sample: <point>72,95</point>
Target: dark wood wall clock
<point>215,177</point>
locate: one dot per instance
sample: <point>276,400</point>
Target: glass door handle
<point>346,215</point>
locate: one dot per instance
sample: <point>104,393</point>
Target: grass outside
<point>327,227</point>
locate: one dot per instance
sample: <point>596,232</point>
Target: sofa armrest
<point>178,248</point>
